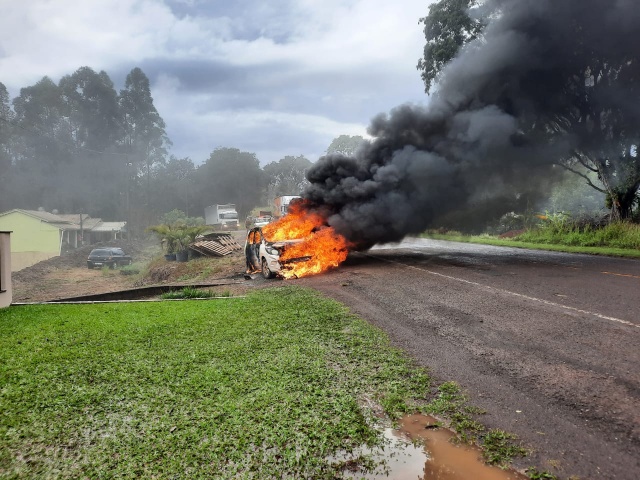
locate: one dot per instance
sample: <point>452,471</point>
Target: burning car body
<point>265,256</point>
<point>298,244</point>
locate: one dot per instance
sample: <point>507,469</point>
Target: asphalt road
<point>547,343</point>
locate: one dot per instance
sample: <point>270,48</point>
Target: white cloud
<point>246,129</point>
<point>319,68</point>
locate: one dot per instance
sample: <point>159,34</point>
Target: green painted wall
<point>30,234</point>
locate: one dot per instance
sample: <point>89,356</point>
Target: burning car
<point>298,244</point>
<point>265,256</point>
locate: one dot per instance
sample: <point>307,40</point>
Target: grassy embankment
<point>268,386</point>
<point>620,239</point>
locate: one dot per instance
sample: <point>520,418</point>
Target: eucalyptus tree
<point>145,140</point>
<point>92,109</point>
<point>6,139</point>
<point>43,150</point>
<point>92,113</point>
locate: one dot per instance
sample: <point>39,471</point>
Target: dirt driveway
<point>68,276</point>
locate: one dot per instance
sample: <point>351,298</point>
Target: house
<point>39,235</point>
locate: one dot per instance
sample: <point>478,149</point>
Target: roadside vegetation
<point>560,233</point>
<point>190,292</point>
<point>274,385</point>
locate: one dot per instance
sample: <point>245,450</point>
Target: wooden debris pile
<point>216,244</point>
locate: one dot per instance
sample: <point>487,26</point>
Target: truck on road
<point>222,216</point>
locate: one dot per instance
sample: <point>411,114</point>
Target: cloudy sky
<point>276,77</point>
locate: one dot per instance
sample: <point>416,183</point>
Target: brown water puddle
<point>420,452</point>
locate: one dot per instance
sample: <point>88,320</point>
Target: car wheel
<point>112,265</point>
<point>129,262</point>
<point>266,273</point>
<point>90,267</point>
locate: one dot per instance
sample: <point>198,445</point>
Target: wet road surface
<point>547,343</point>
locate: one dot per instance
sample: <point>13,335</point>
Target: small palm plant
<point>169,236</point>
<point>176,238</point>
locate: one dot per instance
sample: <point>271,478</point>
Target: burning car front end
<point>266,257</point>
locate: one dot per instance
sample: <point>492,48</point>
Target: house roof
<point>90,223</point>
<point>71,221</point>
<point>73,217</point>
<point>42,215</point>
<point>109,227</point>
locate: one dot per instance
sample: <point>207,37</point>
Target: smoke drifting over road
<point>471,154</point>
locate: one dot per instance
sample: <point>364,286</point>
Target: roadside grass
<point>273,385</point>
<point>619,240</point>
<point>614,235</point>
<point>188,292</point>
<point>534,474</point>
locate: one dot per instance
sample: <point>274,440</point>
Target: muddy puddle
<point>419,450</point>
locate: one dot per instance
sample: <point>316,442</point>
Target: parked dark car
<point>110,257</point>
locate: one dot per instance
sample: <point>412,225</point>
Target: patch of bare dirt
<point>68,276</point>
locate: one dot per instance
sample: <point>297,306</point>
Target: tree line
<point>81,146</point>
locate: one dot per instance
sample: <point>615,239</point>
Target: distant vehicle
<point>264,256</point>
<point>261,221</point>
<point>222,216</point>
<point>108,257</point>
<point>281,204</point>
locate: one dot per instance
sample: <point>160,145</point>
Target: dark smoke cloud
<point>466,157</point>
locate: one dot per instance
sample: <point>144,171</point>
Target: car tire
<point>90,267</point>
<point>266,273</point>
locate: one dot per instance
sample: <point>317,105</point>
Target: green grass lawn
<point>267,386</point>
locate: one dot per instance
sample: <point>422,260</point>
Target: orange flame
<point>325,247</point>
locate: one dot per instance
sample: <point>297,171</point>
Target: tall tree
<point>43,151</point>
<point>287,176</point>
<point>584,92</point>
<point>6,138</point>
<point>92,113</point>
<point>93,109</point>
<point>230,176</point>
<point>447,28</point>
<point>145,138</point>
<point>345,144</point>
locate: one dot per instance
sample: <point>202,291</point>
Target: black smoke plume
<point>482,146</point>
